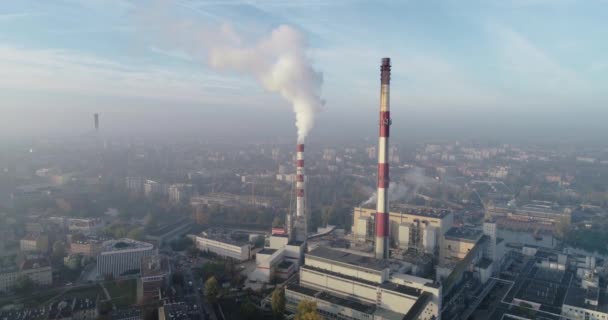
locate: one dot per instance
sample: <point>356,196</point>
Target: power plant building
<point>347,285</point>
<point>410,227</point>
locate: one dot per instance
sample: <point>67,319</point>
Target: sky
<point>478,67</point>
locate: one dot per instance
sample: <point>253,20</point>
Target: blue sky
<point>448,56</point>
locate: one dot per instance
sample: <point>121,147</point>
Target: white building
<point>152,188</point>
<point>179,192</point>
<point>119,256</point>
<point>38,270</point>
<point>225,246</point>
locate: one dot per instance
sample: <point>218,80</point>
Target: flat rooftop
<point>401,289</point>
<point>427,212</point>
<point>154,266</point>
<point>576,297</point>
<point>348,258</point>
<point>462,233</point>
<point>267,251</point>
<point>348,303</point>
<point>124,244</point>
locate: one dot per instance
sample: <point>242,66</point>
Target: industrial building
<point>348,285</point>
<point>119,257</point>
<point>419,228</point>
<point>279,260</point>
<point>224,244</point>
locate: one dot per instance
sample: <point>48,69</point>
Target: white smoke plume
<point>406,188</point>
<point>278,61</point>
<point>396,191</point>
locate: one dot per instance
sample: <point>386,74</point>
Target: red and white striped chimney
<point>382,211</point>
<point>300,210</point>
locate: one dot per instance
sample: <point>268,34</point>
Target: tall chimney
<point>96,120</point>
<point>382,211</point>
<point>300,181</point>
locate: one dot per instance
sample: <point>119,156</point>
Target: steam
<point>280,64</point>
<point>278,61</point>
<point>407,189</point>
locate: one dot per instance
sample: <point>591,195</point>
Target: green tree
<point>248,311</point>
<point>59,250</point>
<point>211,289</point>
<point>137,234</point>
<point>23,284</point>
<point>307,310</point>
<point>278,303</point>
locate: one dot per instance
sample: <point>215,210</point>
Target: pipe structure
<point>382,215</point>
<point>300,210</point>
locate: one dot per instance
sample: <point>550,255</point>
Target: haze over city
<point>303,160</point>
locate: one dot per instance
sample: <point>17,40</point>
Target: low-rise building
<point>38,270</point>
<point>223,244</point>
<point>118,257</point>
<point>34,242</point>
<point>155,271</point>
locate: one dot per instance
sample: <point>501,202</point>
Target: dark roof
<point>467,234</point>
<point>401,289</point>
<point>484,263</point>
<point>295,243</point>
<point>285,264</point>
<point>268,251</point>
<point>348,303</point>
<point>418,307</point>
<point>348,258</point>
<point>303,290</point>
<point>339,275</point>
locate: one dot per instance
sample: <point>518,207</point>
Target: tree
<point>59,250</point>
<point>23,284</point>
<point>136,234</point>
<point>307,310</point>
<point>211,289</point>
<point>278,303</point>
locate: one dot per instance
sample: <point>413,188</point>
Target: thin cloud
<point>71,72</point>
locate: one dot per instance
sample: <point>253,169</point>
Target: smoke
<point>396,191</point>
<point>405,188</point>
<point>278,61</point>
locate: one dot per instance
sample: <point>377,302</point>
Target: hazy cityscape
<point>223,160</point>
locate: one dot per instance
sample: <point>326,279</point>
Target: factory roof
<point>267,251</point>
<point>401,289</point>
<point>348,258</point>
<point>576,297</point>
<point>484,263</point>
<point>124,244</point>
<point>418,307</point>
<point>285,264</point>
<point>295,243</point>
<point>465,234</point>
<point>339,275</point>
<point>348,303</point>
<point>303,290</point>
<point>414,210</point>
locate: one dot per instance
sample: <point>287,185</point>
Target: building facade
<point>120,256</point>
